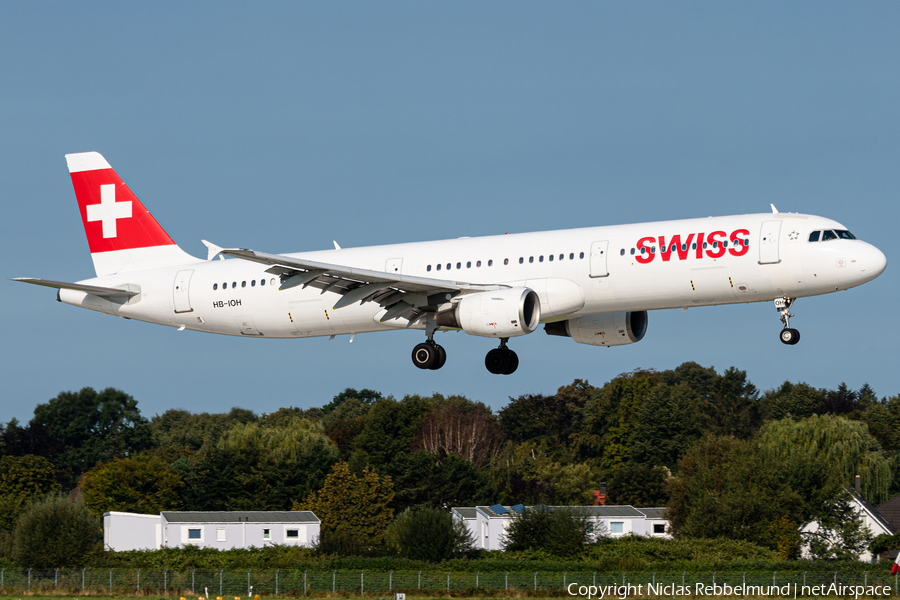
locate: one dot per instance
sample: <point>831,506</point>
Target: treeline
<point>728,461</point>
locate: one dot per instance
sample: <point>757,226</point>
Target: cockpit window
<point>814,236</point>
<point>828,235</point>
<point>844,234</point>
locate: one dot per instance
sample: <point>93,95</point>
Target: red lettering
<point>717,250</point>
<point>682,254</point>
<point>665,250</point>
<point>739,249</point>
<point>644,255</point>
<point>700,245</point>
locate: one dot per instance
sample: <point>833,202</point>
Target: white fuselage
<point>575,272</point>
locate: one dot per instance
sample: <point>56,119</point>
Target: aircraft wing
<point>404,296</point>
<point>103,292</point>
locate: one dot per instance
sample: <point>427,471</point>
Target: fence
<point>290,582</point>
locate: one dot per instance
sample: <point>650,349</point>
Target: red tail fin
<point>117,225</point>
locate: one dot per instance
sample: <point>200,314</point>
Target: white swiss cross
<point>108,210</point>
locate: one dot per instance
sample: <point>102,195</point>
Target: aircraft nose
<point>873,262</point>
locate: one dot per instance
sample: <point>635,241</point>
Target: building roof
<point>873,512</point>
<point>504,512</point>
<point>890,510</point>
<point>654,513</point>
<point>241,516</point>
<point>466,512</point>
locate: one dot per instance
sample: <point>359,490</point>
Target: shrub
<point>428,534</point>
<point>56,532</point>
<point>560,531</point>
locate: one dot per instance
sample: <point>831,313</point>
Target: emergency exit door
<point>181,291</point>
<point>599,251</point>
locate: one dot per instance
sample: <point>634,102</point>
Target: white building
<point>221,530</point>
<point>488,523</point>
<point>872,520</point>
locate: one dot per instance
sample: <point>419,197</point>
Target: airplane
<point>594,285</point>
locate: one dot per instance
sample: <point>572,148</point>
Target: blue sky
<point>284,126</point>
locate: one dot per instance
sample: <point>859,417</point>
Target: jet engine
<point>502,313</point>
<point>616,329</point>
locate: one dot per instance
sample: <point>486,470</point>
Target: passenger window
<point>632,251</point>
<point>505,261</point>
<point>541,258</point>
<point>704,245</point>
<point>252,283</point>
<point>469,264</point>
<point>715,244</point>
<point>439,267</point>
<point>272,281</point>
<point>643,250</point>
<point>725,244</point>
<point>571,256</point>
<point>521,260</point>
<point>262,282</point>
<point>234,284</point>
<point>491,263</point>
<point>683,247</point>
<point>694,246</point>
<point>428,268</point>
<point>652,249</point>
<point>478,264</point>
<point>581,255</point>
<point>828,235</point>
<point>449,266</point>
<point>622,252</point>
<point>243,284</point>
<point>531,259</point>
<point>550,258</point>
<point>215,286</point>
<point>562,256</point>
<point>225,286</point>
<point>459,265</point>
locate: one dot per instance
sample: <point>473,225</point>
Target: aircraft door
<point>768,243</point>
<point>310,317</point>
<point>598,259</point>
<point>394,265</point>
<point>181,291</point>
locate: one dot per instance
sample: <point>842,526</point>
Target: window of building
<point>659,528</point>
<point>617,527</point>
<point>292,534</point>
<point>195,534</point>
<point>267,534</point>
<point>220,534</point>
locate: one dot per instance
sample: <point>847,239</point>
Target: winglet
<point>336,247</point>
<point>213,250</point>
<point>774,210</point>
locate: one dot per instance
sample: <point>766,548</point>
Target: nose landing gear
<point>787,336</point>
<point>502,360</point>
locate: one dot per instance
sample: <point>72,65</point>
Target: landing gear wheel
<point>425,355</point>
<point>513,363</point>
<point>440,358</point>
<point>497,361</point>
<point>789,336</point>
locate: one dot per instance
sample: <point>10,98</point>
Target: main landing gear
<point>429,354</point>
<point>502,360</point>
<point>787,336</point>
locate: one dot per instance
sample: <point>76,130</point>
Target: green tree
<point>841,533</point>
<point>428,534</point>
<point>435,481</point>
<point>389,432</point>
<point>831,445</point>
<point>56,532</point>
<point>22,479</point>
<point>669,421</point>
<point>548,420</point>
<point>139,485</point>
<point>255,467</point>
<point>639,485</point>
<point>797,401</point>
<point>92,427</point>
<point>353,507</point>
<point>560,531</point>
<point>177,428</point>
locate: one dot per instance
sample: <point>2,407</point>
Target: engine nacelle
<point>502,313</point>
<point>616,329</point>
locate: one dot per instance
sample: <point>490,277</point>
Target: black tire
<point>496,361</point>
<point>440,358</point>
<point>789,336</point>
<point>513,363</point>
<point>424,355</point>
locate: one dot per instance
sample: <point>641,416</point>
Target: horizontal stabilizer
<point>96,290</point>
